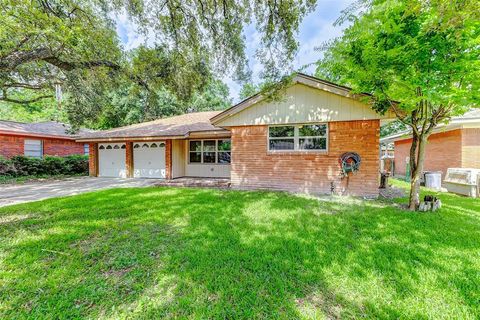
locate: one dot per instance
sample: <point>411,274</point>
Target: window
<point>224,151</point>
<point>86,149</point>
<point>308,137</point>
<point>33,148</point>
<point>210,151</point>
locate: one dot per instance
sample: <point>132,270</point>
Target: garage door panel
<point>111,160</point>
<point>149,160</point>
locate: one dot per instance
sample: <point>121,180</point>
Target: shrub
<point>53,165</point>
<point>27,166</point>
<point>18,166</point>
<point>7,168</point>
<point>76,164</point>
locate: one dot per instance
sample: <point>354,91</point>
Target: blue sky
<point>315,29</point>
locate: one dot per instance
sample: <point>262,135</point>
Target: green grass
<point>24,179</point>
<point>197,253</point>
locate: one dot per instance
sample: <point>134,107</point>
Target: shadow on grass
<point>165,252</point>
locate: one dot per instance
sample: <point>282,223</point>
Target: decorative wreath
<point>350,162</point>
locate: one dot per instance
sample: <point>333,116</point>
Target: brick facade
<point>168,159</point>
<point>443,151</point>
<point>13,145</point>
<point>253,167</point>
<point>93,159</point>
<point>129,158</point>
<point>471,148</point>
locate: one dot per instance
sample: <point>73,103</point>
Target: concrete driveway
<point>33,191</point>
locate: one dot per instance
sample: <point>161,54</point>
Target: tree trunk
<point>414,200</point>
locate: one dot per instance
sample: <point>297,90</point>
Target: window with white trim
<point>210,151</point>
<point>86,149</point>
<point>303,137</point>
<point>33,148</point>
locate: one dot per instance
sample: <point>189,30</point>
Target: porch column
<point>129,158</point>
<point>168,159</point>
<point>93,159</point>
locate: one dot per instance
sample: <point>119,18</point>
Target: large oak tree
<point>44,43</point>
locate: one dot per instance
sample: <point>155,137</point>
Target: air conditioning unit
<point>464,181</point>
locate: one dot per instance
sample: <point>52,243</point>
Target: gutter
<point>213,133</point>
<point>36,135</point>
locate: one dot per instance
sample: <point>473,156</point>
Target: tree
<point>248,90</point>
<point>127,104</point>
<point>73,43</point>
<point>419,59</point>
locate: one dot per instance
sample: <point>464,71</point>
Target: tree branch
<point>6,99</point>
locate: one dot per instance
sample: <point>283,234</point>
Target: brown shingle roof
<point>180,125</point>
<point>45,128</point>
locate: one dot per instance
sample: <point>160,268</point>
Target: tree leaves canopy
<point>410,51</point>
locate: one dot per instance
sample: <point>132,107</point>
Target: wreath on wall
<point>350,162</point>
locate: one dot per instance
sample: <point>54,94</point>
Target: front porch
<point>217,183</point>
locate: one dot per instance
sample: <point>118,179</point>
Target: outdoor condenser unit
<point>463,181</point>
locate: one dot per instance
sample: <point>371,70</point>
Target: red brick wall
<point>93,159</point>
<point>254,167</point>
<point>11,145</point>
<point>471,148</point>
<point>129,158</point>
<point>444,150</point>
<point>168,159</point>
<point>61,148</point>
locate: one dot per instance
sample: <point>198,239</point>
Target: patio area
<point>218,183</point>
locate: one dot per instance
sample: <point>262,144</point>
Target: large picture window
<point>210,151</point>
<point>307,137</point>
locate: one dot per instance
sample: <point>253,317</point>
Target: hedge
<point>19,166</point>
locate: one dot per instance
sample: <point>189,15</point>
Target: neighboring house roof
<point>299,78</point>
<point>470,119</point>
<point>39,129</point>
<point>173,127</point>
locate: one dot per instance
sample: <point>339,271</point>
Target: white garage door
<point>111,160</point>
<point>149,159</point>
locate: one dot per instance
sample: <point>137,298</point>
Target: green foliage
<point>391,128</point>
<point>19,166</point>
<point>191,253</point>
<point>410,51</point>
<point>248,90</point>
<point>73,44</point>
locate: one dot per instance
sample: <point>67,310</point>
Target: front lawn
<point>197,253</point>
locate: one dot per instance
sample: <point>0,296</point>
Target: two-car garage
<point>148,160</point>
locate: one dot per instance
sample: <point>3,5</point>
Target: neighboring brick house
<point>38,139</point>
<point>455,145</point>
<point>292,144</point>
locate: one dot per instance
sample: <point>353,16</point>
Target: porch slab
<point>219,183</point>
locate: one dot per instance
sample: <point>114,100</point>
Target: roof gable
<point>307,100</point>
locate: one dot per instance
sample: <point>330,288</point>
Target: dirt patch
<point>392,192</point>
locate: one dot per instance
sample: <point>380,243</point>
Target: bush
<point>18,166</point>
<point>7,168</point>
<point>76,164</point>
<point>27,166</point>
<point>53,165</point>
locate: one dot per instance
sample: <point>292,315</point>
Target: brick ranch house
<point>38,139</point>
<point>454,145</point>
<point>293,144</point>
